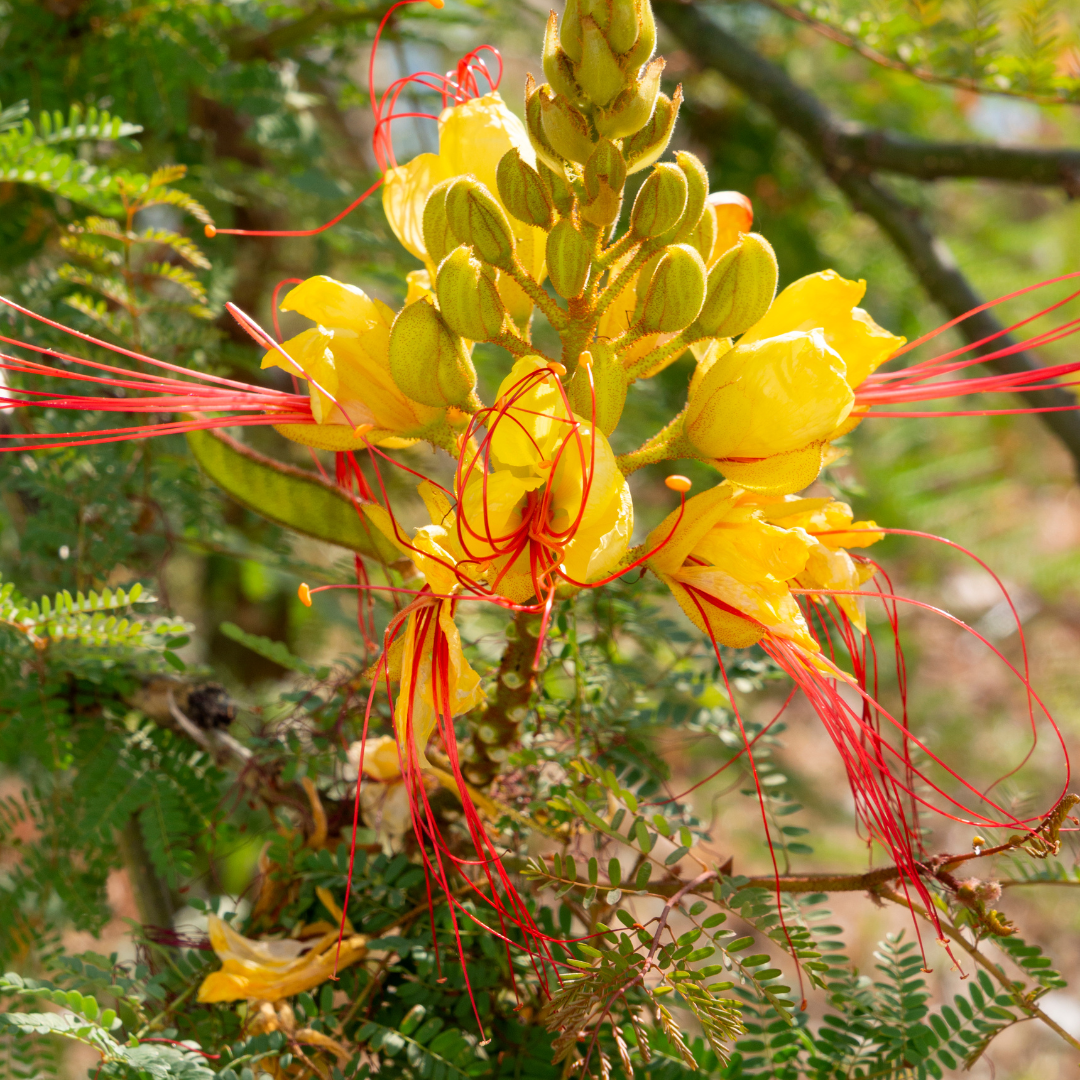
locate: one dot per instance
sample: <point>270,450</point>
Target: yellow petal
<point>381,760</point>
<point>768,603</point>
<point>724,627</point>
<point>779,474</point>
<point>835,569</point>
<point>769,397</point>
<point>828,301</point>
<point>310,357</point>
<point>335,304</point>
<point>474,136</point>
<point>405,191</point>
<point>683,529</point>
<point>752,550</point>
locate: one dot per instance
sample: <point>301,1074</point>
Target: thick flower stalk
<point>510,218</point>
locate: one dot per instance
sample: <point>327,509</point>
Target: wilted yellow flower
<point>763,412</point>
<point>728,568</point>
<point>271,970</point>
<point>345,358</point>
<point>828,301</point>
<point>473,137</point>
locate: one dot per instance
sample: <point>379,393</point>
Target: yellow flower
<point>271,970</point>
<point>435,677</point>
<point>473,137</point>
<point>764,411</point>
<point>728,568</point>
<point>828,301</point>
<point>828,566</point>
<point>552,493</point>
<point>345,358</point>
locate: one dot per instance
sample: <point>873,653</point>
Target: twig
<point>669,907</point>
<point>994,971</point>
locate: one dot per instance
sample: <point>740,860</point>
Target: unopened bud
<point>522,191</point>
<point>598,74</point>
<point>605,176</point>
<point>676,291</point>
<point>741,288</point>
<point>570,30</point>
<point>702,236</point>
<point>648,145</point>
<point>534,124</point>
<point>558,190</point>
<point>439,239</point>
<point>565,128</point>
<point>558,67</point>
<point>618,19</point>
<point>428,361</point>
<point>660,202</point>
<point>646,35</point>
<point>569,259</point>
<point>599,387</point>
<point>631,110</point>
<point>477,219</point>
<point>468,298</point>
<point>697,191</point>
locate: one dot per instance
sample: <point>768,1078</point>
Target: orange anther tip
<point>304,592</point>
<point>558,368</point>
<point>210,231</point>
<point>542,464</point>
<point>678,483</point>
<point>438,4</point>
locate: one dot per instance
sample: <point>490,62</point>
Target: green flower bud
<point>631,110</point>
<point>605,177</point>
<point>468,298</point>
<point>557,65</point>
<point>570,32</point>
<point>676,291</point>
<point>558,190</point>
<point>522,191</point>
<point>429,362</point>
<point>618,19</point>
<point>648,145</point>
<point>605,391</point>
<point>476,218</point>
<point>646,36</point>
<point>741,288</point>
<point>702,237</point>
<point>660,202</point>
<point>438,237</point>
<point>565,127</point>
<point>598,74</point>
<point>569,259</point>
<point>697,191</point>
<point>545,152</point>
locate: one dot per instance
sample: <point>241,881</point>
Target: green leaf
<point>289,496</point>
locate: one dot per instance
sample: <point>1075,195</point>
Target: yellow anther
<point>681,484</point>
<point>304,592</point>
<point>558,368</point>
<point>978,842</point>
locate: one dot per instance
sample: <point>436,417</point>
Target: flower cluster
<point>513,218</point>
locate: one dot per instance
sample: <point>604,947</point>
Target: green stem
<point>668,352</point>
<point>151,896</point>
<point>554,314</point>
<point>668,444</point>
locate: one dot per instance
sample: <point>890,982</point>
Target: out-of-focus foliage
<point>1026,48</point>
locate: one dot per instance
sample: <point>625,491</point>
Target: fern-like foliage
<point>36,154</point>
<point>1024,48</point>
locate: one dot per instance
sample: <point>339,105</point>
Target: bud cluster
<point>685,271</point>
